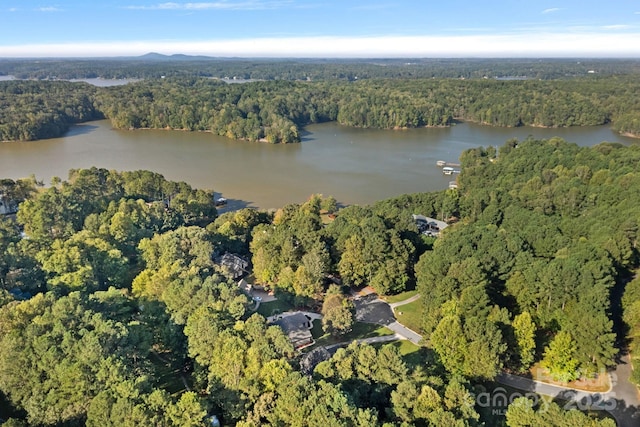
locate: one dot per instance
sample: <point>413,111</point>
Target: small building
<point>429,226</point>
<point>7,205</point>
<point>234,265</point>
<point>297,326</point>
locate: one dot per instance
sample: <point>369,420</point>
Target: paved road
<point>627,411</point>
<point>626,414</point>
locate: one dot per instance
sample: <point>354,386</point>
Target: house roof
<point>296,326</point>
<point>233,264</point>
<point>293,322</point>
<point>440,224</point>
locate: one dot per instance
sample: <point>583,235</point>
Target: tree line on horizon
<point>154,66</point>
<point>276,111</point>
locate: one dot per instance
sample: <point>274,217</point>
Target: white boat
<point>447,170</point>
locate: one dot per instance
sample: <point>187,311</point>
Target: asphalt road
<point>621,401</point>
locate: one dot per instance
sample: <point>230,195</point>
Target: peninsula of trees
<point>114,310</point>
<point>276,109</point>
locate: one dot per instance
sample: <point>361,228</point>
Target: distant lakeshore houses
<point>7,206</point>
<point>429,226</point>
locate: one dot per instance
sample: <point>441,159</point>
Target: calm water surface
<point>93,81</point>
<point>353,165</point>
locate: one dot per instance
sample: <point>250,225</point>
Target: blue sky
<point>315,28</point>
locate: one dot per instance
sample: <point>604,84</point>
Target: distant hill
<point>154,56</point>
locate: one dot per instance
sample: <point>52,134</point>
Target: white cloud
<point>616,27</point>
<point>218,5</point>
<point>552,10</point>
<point>48,9</point>
<point>506,45</point>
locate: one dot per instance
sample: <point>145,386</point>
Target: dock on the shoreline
<point>442,163</point>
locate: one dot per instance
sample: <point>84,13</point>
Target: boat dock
<point>442,163</point>
<point>448,170</point>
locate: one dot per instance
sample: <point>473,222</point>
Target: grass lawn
<point>413,355</point>
<point>360,330</point>
<point>405,347</point>
<point>274,307</point>
<point>410,315</point>
<point>400,297</point>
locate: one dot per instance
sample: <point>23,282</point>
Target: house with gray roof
<point>297,326</point>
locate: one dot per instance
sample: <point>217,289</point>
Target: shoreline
<point>302,129</point>
<point>630,134</point>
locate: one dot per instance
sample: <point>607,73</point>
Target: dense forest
<point>288,96</point>
<point>36,110</point>
<point>275,111</point>
<point>548,238</point>
<point>115,311</point>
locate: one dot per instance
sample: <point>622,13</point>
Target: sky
<point>321,28</point>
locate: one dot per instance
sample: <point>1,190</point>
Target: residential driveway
<point>371,309</point>
<point>405,332</point>
<point>407,301</point>
<point>261,295</point>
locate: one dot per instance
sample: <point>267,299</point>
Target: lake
<point>100,82</point>
<point>356,166</point>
